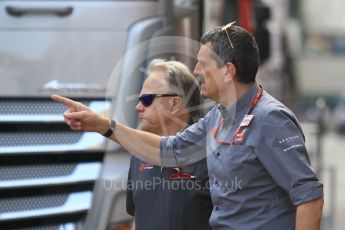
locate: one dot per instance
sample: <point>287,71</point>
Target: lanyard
<point>239,134</point>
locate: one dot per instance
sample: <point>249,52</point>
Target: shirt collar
<point>241,106</point>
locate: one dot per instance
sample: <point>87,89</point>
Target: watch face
<point>109,132</point>
<point>113,124</point>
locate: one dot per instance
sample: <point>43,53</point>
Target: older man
<point>160,197</point>
<point>259,169</point>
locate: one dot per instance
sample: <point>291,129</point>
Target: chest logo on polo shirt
<point>145,166</point>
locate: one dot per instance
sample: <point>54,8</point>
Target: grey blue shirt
<point>257,182</point>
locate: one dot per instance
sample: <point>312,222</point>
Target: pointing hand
<point>81,118</point>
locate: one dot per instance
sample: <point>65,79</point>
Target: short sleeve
<point>281,149</point>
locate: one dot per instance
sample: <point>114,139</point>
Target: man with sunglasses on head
<point>259,169</point>
<point>168,198</point>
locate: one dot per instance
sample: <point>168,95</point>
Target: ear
<point>175,104</point>
<point>230,72</point>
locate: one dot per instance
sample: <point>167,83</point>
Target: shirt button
<point>218,154</point>
<point>217,208</point>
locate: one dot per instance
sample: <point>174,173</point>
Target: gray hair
<point>181,81</point>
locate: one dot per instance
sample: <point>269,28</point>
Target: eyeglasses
<point>225,28</point>
<point>147,99</point>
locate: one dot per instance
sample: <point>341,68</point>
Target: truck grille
<point>27,138</point>
<point>33,106</point>
<point>47,171</point>
<point>30,203</point>
<point>35,171</point>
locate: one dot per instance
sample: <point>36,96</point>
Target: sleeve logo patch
<point>288,139</point>
<point>292,147</point>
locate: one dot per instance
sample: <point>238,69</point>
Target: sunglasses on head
<point>147,99</point>
<point>225,29</point>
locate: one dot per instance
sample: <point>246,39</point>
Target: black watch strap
<point>111,129</point>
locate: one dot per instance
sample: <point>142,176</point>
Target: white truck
<point>52,177</point>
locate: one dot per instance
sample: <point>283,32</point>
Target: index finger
<point>64,100</point>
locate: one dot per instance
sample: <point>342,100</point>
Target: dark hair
<point>244,54</point>
<point>180,80</point>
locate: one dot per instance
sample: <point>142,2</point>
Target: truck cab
<point>94,52</point>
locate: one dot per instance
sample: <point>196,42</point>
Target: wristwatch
<point>111,129</point>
